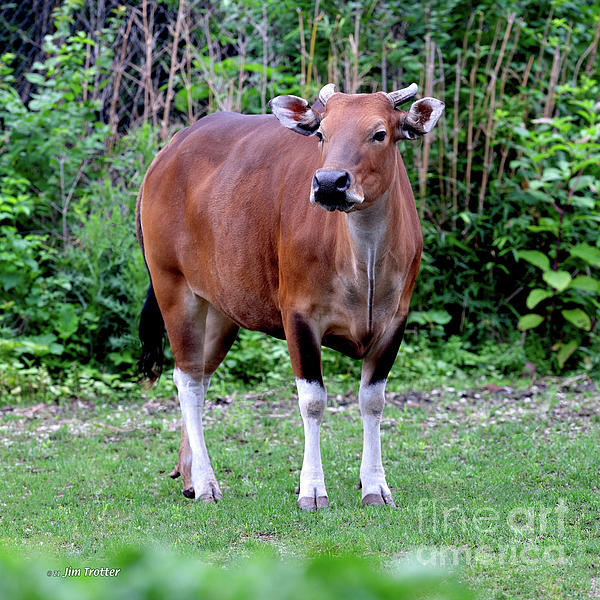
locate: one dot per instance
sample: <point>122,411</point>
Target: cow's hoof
<point>174,474</point>
<point>311,504</point>
<point>382,499</point>
<point>189,493</point>
<point>210,493</point>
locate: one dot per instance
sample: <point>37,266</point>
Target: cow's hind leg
<point>185,314</point>
<point>191,393</point>
<point>219,337</point>
<point>183,468</point>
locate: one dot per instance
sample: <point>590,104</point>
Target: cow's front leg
<point>371,399</point>
<point>312,399</point>
<point>305,355</point>
<point>375,490</point>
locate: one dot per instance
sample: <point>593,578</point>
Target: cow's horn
<point>326,92</point>
<point>400,96</point>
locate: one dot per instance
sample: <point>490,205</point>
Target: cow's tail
<point>152,326</point>
<point>152,338</point>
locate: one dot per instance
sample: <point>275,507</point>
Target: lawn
<point>498,483</point>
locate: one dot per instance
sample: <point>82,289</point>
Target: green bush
<point>71,273</point>
<point>559,182</point>
<point>151,575</point>
<point>508,202</point>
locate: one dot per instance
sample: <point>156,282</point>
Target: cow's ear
<point>295,114</point>
<point>420,118</point>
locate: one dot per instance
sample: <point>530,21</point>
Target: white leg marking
<point>371,400</point>
<point>312,399</point>
<point>191,399</point>
<point>206,384</point>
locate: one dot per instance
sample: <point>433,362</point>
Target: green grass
<point>502,488</point>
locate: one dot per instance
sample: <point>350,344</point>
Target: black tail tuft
<point>152,337</point>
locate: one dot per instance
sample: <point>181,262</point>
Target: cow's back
<point>211,206</point>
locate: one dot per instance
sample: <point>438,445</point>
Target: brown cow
<point>231,224</point>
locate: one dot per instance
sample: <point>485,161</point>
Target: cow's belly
<point>247,295</point>
<point>255,314</point>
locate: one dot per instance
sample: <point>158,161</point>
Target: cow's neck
<point>368,240</point>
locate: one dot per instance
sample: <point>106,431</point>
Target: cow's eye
<point>319,135</point>
<point>379,136</point>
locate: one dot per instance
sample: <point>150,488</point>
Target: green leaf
<point>10,280</point>
<point>67,322</point>
<point>545,224</point>
<point>539,195</point>
<point>536,296</point>
<point>588,253</point>
<point>585,163</point>
<point>585,182</point>
<point>552,174</point>
<point>56,349</point>
<point>441,317</point>
<point>565,351</point>
<point>535,258</point>
<point>529,321</point>
<point>586,202</point>
<point>522,132</point>
<point>577,317</point>
<point>196,93</point>
<point>37,345</point>
<point>559,280</point>
<point>536,184</point>
<point>583,282</point>
<point>35,78</point>
<point>416,316</point>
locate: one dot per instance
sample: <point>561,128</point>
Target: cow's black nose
<point>330,181</point>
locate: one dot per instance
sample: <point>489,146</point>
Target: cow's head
<point>357,136</point>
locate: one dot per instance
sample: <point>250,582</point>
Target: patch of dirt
<point>78,417</point>
<point>574,402</point>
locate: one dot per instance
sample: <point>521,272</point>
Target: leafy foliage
<point>148,575</point>
<point>559,168</point>
<point>69,271</point>
<point>507,187</point>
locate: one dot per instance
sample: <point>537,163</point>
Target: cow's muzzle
<point>331,190</point>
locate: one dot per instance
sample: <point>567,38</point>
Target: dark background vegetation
<point>507,186</point>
